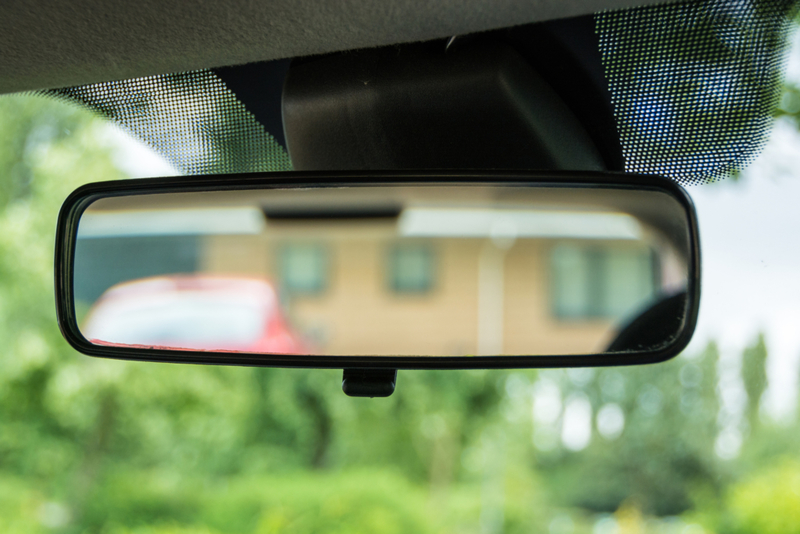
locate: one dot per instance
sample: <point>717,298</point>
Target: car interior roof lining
<point>52,44</point>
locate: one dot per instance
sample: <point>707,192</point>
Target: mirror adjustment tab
<point>369,382</point>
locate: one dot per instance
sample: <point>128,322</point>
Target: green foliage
<point>43,157</point>
<point>360,501</point>
<point>754,376</point>
<point>767,502</point>
<point>789,105</point>
<point>21,505</point>
<point>666,449</point>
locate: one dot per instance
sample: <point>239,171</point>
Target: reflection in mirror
<point>386,270</point>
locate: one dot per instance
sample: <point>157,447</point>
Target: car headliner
<point>52,43</point>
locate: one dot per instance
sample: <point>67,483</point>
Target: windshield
<point>706,442</point>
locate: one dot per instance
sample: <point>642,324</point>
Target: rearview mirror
<point>380,270</point>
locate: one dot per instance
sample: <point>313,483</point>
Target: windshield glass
<point>706,442</point>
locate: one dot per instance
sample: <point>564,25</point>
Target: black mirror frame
<point>80,199</point>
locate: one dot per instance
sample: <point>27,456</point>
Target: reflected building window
<point>411,268</point>
<point>303,268</point>
<point>102,262</point>
<point>597,282</point>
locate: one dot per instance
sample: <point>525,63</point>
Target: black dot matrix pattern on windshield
<point>694,84</point>
<point>190,118</point>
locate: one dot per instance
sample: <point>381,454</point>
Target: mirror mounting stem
<point>369,382</point>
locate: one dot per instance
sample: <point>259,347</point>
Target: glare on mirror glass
<point>389,270</point>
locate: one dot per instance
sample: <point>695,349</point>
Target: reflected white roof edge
<point>173,222</point>
<point>428,222</point>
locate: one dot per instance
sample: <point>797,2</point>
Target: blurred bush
<point>767,502</point>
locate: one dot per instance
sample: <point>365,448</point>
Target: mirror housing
<point>607,203</point>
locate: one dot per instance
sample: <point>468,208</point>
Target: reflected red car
<point>192,312</point>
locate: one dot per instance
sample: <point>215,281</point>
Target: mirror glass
<point>385,270</point>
